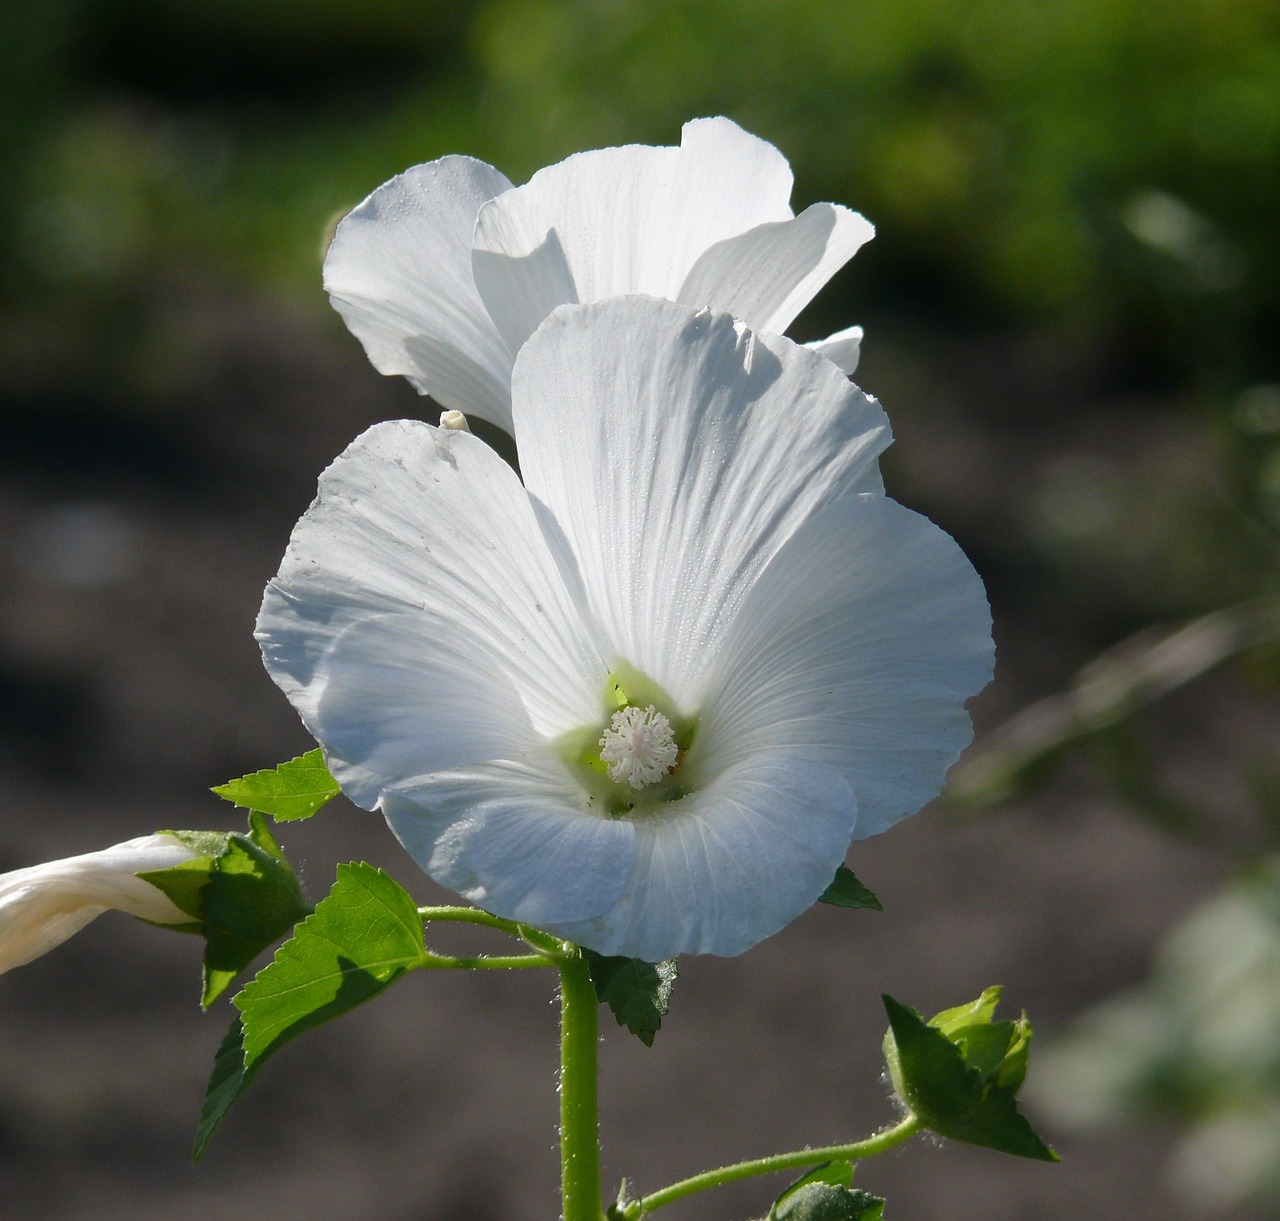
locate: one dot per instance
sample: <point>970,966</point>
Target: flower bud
<point>40,907</point>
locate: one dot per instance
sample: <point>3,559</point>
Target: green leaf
<point>963,1099</point>
<point>821,1201</point>
<point>846,891</point>
<point>637,992</point>
<point>226,1084</point>
<point>292,791</point>
<point>241,898</point>
<point>359,940</point>
<point>998,1124</point>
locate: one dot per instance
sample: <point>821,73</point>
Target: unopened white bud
<point>40,907</point>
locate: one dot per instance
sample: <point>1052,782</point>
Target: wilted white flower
<point>701,544</point>
<point>443,272</point>
<point>42,906</point>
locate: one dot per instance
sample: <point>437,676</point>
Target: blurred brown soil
<point>134,553</point>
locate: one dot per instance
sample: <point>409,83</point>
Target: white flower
<point>701,538</point>
<point>42,906</point>
<point>444,272</point>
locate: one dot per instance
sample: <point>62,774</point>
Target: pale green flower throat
<point>632,762</point>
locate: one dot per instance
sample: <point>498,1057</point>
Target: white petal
<point>42,906</point>
<point>515,840</point>
<point>729,865</point>
<point>399,273</point>
<point>422,523</point>
<point>401,695</point>
<point>766,276</point>
<point>675,454</point>
<point>843,348</point>
<point>860,643</point>
<point>622,220</point>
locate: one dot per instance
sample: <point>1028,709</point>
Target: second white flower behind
<point>646,699</point>
<point>444,272</point>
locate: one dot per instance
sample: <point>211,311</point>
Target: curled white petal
<point>399,272</point>
<point>844,348</point>
<point>445,271</point>
<point>623,220</point>
<point>40,907</point>
<point>766,276</point>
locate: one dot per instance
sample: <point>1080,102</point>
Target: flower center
<point>631,763</point>
<point>638,747</point>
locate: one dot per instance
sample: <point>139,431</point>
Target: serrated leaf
<point>638,993</point>
<point>949,1096</point>
<point>359,940</point>
<point>242,899</point>
<point>846,891</point>
<point>827,1202</point>
<point>998,1124</point>
<point>362,937</point>
<point>226,1084</point>
<point>292,791</point>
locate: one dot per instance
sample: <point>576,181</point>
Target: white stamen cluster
<point>638,746</point>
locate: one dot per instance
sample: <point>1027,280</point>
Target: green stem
<point>544,943</point>
<point>486,962</point>
<point>579,1118</point>
<point>878,1143</point>
<point>468,915</point>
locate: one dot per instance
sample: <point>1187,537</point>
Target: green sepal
<point>241,895</point>
<point>206,843</point>
<point>826,1194</point>
<point>846,891</point>
<point>290,792</point>
<point>362,937</point>
<point>961,1082</point>
<point>637,992</point>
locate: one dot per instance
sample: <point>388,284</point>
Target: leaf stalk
<point>881,1142</point>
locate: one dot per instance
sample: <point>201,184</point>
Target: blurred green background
<point>1073,316</point>
<point>1095,183</point>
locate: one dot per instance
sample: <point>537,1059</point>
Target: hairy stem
<point>468,915</point>
<point>579,1118</point>
<point>878,1143</point>
<point>485,962</point>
